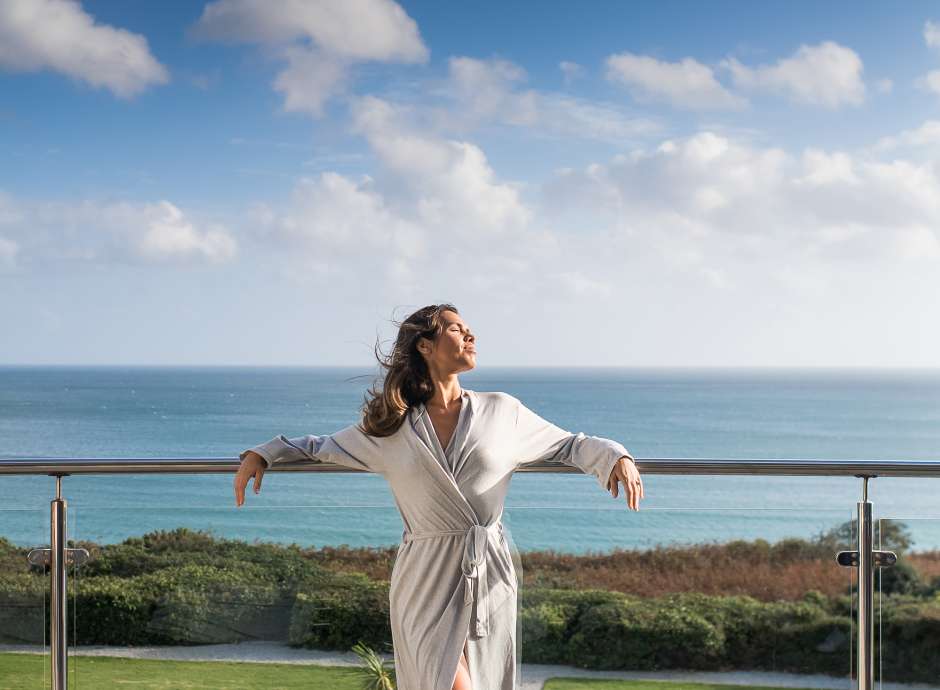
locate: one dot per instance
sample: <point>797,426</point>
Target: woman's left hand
<point>625,471</point>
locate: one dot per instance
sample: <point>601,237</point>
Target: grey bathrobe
<point>453,585</point>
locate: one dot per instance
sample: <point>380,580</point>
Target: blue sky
<point>669,183</point>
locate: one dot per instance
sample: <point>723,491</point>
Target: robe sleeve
<point>350,447</point>
<point>538,439</point>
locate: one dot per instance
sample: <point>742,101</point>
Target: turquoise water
<point>216,412</point>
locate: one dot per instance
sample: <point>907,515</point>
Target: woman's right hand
<point>253,465</point>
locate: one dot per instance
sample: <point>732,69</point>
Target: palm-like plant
<point>377,674</point>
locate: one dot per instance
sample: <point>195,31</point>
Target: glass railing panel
<point>24,599</point>
<point>710,590</point>
<point>907,601</point>
<point>701,586</point>
<point>211,587</point>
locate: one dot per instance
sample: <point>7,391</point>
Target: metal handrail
<point>704,466</point>
<point>865,559</point>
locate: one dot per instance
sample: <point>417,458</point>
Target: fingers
<point>239,488</point>
<point>626,472</point>
<point>248,470</point>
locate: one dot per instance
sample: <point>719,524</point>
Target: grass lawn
<point>26,672</point>
<point>575,684</point>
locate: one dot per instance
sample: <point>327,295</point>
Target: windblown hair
<point>407,380</point>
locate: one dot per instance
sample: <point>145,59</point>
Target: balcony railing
<point>863,560</point>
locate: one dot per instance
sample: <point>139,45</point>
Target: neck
<point>447,393</point>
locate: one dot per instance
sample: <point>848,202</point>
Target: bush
<point>339,611</point>
<point>184,587</point>
<point>195,604</point>
<point>545,631</point>
<point>643,634</point>
<point>900,578</point>
<point>111,610</point>
<point>22,601</point>
<point>609,630</point>
<point>160,550</point>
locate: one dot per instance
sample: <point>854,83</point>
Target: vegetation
<point>25,672</point>
<point>740,605</point>
<point>377,674</point>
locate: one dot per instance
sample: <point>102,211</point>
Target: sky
<point>259,182</point>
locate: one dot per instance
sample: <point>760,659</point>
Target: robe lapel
<point>460,449</point>
<point>439,467</point>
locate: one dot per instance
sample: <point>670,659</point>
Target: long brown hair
<point>407,380</point>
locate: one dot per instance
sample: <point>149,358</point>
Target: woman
<point>448,454</point>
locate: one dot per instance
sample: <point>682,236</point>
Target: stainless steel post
<point>58,640</point>
<point>866,583</point>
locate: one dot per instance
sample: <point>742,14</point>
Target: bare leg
<point>462,677</point>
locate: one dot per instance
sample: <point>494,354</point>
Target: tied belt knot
<point>473,567</point>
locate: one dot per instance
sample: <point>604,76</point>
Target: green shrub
<point>194,604</point>
<point>912,633</point>
<point>184,587</point>
<point>545,631</point>
<point>630,633</point>
<point>22,603</point>
<point>338,612</point>
<point>900,578</point>
<point>199,604</point>
<point>160,550</point>
<point>116,611</point>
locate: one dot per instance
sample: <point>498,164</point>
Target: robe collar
<point>444,474</point>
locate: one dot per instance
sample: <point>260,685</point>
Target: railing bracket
<point>880,559</point>
<point>44,556</point>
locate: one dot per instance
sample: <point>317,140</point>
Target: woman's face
<point>454,350</point>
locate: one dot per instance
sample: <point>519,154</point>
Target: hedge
<point>187,588</point>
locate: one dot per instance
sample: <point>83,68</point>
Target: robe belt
<point>473,567</point>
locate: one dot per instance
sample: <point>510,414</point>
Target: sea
<point>203,412</point>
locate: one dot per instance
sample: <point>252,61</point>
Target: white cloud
<point>355,29</point>
<point>59,35</point>
<point>714,206</point>
<point>485,89</point>
<point>925,136</point>
<point>333,213</point>
<point>687,84</point>
<point>435,207</point>
<point>122,232</point>
<point>8,252</point>
<point>318,39</point>
<point>823,168</point>
<point>490,91</point>
<point>579,285</point>
<point>828,75</point>
<point>310,78</point>
<point>336,222</point>
<point>932,34</point>
<point>930,82</point>
<point>570,70</point>
<point>168,235</point>
<point>450,182</point>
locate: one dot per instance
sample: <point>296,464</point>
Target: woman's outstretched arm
<point>350,447</point>
<point>345,447</point>
<point>605,459</point>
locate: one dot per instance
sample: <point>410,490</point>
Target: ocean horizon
<point>146,411</point>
